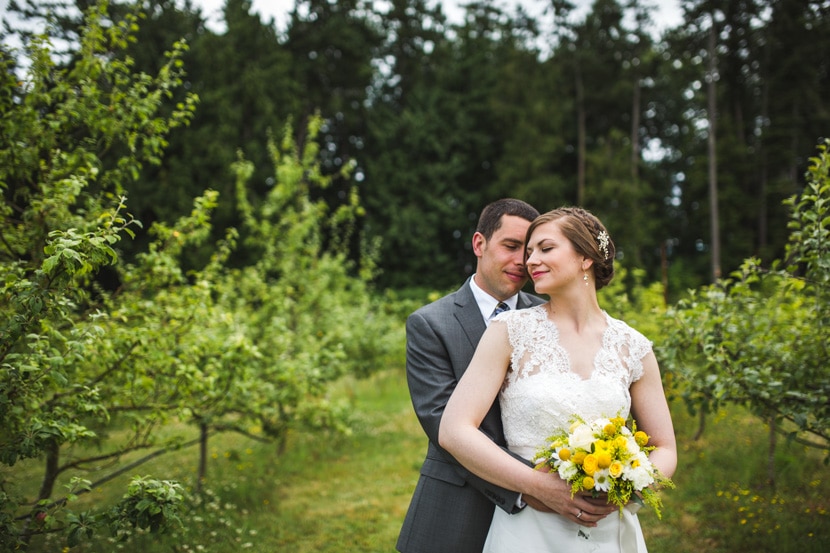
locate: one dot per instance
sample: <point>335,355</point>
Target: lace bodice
<point>541,393</point>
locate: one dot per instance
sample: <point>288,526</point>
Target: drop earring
<point>585,278</point>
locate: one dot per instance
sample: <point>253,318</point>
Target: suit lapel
<point>468,314</point>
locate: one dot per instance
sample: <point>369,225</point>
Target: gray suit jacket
<point>451,508</point>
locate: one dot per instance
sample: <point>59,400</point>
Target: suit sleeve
<point>431,381</point>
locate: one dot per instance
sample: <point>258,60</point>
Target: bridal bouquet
<point>606,456</point>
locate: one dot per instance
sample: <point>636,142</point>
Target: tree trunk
<point>763,178</point>
<point>664,272</point>
<point>635,131</point>
<point>581,139</point>
<point>50,476</point>
<point>51,473</point>
<point>701,425</point>
<point>773,440</point>
<point>203,454</point>
<point>713,164</point>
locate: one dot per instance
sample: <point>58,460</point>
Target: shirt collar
<point>487,303</point>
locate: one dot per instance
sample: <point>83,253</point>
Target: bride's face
<point>552,262</point>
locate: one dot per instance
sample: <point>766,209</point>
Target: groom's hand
<point>536,504</point>
<point>600,499</point>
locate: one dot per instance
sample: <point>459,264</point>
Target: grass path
<point>361,485</point>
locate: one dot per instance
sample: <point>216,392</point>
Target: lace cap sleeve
<point>631,345</point>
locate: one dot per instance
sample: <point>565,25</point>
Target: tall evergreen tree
<point>409,165</point>
<point>608,60</point>
<point>438,129</point>
<point>794,115</point>
<point>242,78</point>
<point>764,89</point>
<point>333,47</point>
<point>718,48</point>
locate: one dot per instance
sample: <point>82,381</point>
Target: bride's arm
<point>651,411</point>
<point>475,393</point>
<point>458,433</point>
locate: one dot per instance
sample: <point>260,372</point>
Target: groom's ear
<point>479,241</point>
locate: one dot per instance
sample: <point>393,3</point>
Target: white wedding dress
<point>540,396</point>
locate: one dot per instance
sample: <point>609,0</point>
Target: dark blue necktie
<point>500,308</point>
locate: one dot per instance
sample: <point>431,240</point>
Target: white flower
<point>641,476</point>
<point>600,424</point>
<point>568,470</point>
<point>602,480</point>
<point>581,437</point>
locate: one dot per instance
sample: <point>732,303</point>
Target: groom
<point>451,508</point>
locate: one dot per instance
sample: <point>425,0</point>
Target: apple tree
<point>759,338</point>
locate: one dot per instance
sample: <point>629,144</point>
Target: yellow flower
<point>588,483</point>
<point>616,469</point>
<point>564,454</point>
<point>589,465</point>
<point>603,459</point>
<point>641,438</point>
<point>620,442</point>
<point>579,456</point>
<point>618,421</point>
<point>610,429</point>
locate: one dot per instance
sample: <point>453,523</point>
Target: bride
<point>545,365</point>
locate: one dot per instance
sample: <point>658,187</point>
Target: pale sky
<point>667,13</point>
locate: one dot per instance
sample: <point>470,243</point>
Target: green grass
<point>340,494</point>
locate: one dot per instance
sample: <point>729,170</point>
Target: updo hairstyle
<point>587,234</point>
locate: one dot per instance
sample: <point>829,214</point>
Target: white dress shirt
<point>487,303</point>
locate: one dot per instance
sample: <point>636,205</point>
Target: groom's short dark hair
<point>490,219</point>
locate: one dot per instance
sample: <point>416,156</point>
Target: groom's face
<point>501,270</point>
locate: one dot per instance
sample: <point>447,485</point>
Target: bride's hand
<point>555,494</point>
